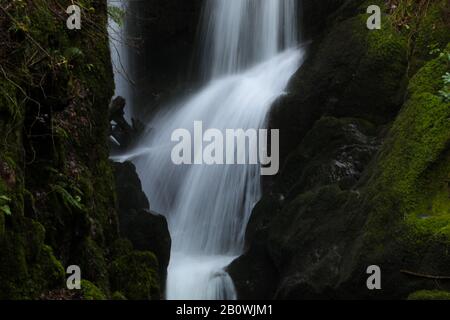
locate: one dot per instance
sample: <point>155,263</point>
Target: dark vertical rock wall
<point>57,187</point>
<point>164,36</point>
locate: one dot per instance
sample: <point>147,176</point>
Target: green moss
<point>121,247</point>
<point>408,195</point>
<point>136,276</point>
<point>93,263</point>
<point>417,139</point>
<point>433,29</point>
<point>34,236</point>
<point>429,78</point>
<point>46,272</point>
<point>376,77</point>
<point>118,296</point>
<point>90,292</point>
<point>382,69</point>
<point>22,279</point>
<point>66,75</point>
<point>429,295</point>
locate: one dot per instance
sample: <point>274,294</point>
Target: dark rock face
<point>147,231</point>
<point>335,151</point>
<point>327,84</point>
<point>299,232</point>
<point>360,177</point>
<point>316,13</point>
<point>129,189</point>
<point>123,135</point>
<point>164,32</point>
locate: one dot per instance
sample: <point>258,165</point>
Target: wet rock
<point>123,135</point>
<point>165,42</point>
<point>136,277</point>
<point>146,230</point>
<point>327,84</point>
<point>335,151</point>
<point>129,188</point>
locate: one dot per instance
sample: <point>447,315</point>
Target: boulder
<point>146,230</point>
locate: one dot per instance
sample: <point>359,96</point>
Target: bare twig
<point>427,276</point>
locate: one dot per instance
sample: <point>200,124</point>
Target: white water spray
<point>249,56</point>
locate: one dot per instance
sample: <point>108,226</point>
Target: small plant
<point>68,199</point>
<point>406,13</point>
<point>443,54</point>
<point>445,92</point>
<point>4,206</point>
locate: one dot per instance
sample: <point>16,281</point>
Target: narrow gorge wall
<point>57,190</point>
<point>162,35</point>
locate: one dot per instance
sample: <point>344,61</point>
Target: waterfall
<point>249,54</point>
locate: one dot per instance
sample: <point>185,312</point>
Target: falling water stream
<point>249,54</point>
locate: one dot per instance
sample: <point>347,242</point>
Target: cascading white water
<point>249,56</point>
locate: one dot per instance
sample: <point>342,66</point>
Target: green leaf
<point>446,78</point>
<point>68,198</point>
<point>5,198</point>
<point>6,209</point>
<point>73,53</point>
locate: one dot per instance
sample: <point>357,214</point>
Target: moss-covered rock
<point>432,31</point>
<point>90,292</point>
<point>24,276</point>
<point>136,276</point>
<point>146,230</point>
<point>346,69</point>
<point>429,295</point>
<point>92,261</point>
<point>54,131</point>
<point>121,247</point>
<point>118,296</point>
<point>408,196</point>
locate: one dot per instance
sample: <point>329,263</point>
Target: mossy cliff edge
<point>57,189</point>
<point>365,136</point>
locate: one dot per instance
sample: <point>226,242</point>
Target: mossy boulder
<point>408,194</point>
<point>350,71</point>
<point>136,276</point>
<point>147,231</point>
<point>118,296</point>
<point>91,292</point>
<point>311,209</point>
